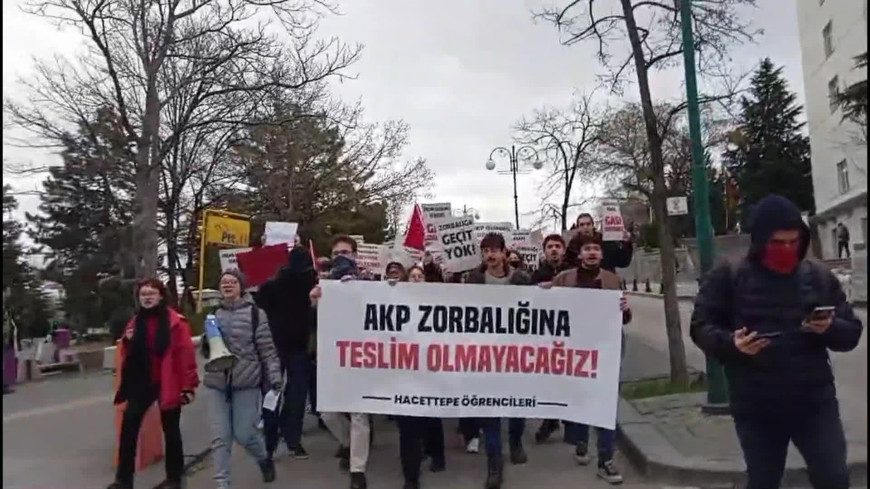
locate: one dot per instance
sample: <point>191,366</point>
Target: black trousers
<point>289,419</point>
<point>130,425</point>
<point>416,436</point>
<point>818,435</point>
<point>841,247</point>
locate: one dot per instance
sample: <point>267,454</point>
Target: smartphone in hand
<point>771,335</point>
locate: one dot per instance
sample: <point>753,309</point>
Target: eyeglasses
<point>342,253</point>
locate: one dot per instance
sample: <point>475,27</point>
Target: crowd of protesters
<point>758,317</point>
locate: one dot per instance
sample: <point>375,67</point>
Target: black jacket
<point>614,254</point>
<point>285,300</point>
<point>794,371</point>
<point>546,272</point>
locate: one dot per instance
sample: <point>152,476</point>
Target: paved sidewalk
<point>550,466</point>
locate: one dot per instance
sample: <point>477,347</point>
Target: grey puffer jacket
<point>257,365</point>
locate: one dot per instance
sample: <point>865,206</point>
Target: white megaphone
<point>219,358</point>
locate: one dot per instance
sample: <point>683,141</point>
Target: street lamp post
<point>513,155</point>
<point>717,390</point>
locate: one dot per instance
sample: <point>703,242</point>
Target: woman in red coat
<point>159,365</point>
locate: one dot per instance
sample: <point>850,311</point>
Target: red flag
<point>416,236</point>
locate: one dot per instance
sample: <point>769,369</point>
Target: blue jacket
<point>794,370</point>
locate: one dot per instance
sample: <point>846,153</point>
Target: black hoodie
<point>285,300</point>
<point>793,372</point>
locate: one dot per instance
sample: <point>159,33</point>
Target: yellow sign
<point>227,231</point>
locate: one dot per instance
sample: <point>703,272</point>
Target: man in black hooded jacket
<point>757,318</point>
<point>285,299</point>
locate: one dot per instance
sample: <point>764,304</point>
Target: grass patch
<point>643,389</point>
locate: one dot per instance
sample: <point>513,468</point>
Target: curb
<point>655,457</point>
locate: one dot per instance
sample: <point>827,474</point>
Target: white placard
<point>281,232</point>
<point>371,257</point>
<point>530,254</point>
<point>519,237</point>
<point>481,229</point>
<point>612,227</point>
<point>461,250</point>
<point>436,212</point>
<point>463,350</point>
<point>678,206</point>
<point>359,238</point>
<point>228,258</point>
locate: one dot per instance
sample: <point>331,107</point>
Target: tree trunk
<point>171,257</point>
<point>147,187</point>
<point>676,349</point>
<point>565,215</point>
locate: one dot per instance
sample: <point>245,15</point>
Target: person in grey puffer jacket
<point>235,395</point>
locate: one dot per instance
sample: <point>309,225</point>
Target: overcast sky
<point>460,72</point>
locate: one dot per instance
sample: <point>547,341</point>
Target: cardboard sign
<point>519,237</point>
<point>281,232</point>
<point>371,257</point>
<point>481,229</point>
<point>531,256</point>
<point>436,212</point>
<point>262,264</point>
<point>461,250</point>
<point>678,206</point>
<point>612,227</point>
<point>228,258</point>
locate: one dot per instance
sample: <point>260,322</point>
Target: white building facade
<point>832,33</point>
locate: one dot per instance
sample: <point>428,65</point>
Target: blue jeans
<point>579,433</point>
<point>234,417</point>
<point>292,413</point>
<point>492,433</point>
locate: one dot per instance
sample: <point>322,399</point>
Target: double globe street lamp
<point>514,155</point>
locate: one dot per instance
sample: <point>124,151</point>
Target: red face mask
<point>781,258</point>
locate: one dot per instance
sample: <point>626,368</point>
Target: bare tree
<point>642,36</point>
<point>227,53</point>
<point>567,140</point>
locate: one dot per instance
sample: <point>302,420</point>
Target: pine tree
<point>770,152</point>
<point>85,215</point>
<point>23,301</point>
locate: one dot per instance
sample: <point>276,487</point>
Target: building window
<point>829,41</point>
<point>843,176</point>
<point>833,93</point>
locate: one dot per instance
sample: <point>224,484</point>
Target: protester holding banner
<point>495,270</point>
<point>616,254</point>
<point>418,435</point>
<point>552,265</point>
<point>285,300</point>
<point>159,365</point>
<point>353,436</point>
<point>591,275</point>
<point>235,395</point>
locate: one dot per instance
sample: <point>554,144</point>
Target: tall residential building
<point>832,33</point>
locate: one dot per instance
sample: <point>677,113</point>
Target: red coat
<point>178,371</point>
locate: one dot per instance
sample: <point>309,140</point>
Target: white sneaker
<point>473,446</point>
<point>260,425</point>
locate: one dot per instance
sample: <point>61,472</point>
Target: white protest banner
<point>482,228</point>
<point>358,238</point>
<point>371,257</point>
<point>464,350</point>
<point>457,240</point>
<point>281,232</point>
<point>613,228</point>
<point>436,212</point>
<point>530,254</point>
<point>228,258</point>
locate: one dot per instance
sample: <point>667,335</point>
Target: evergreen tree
<point>85,216</point>
<point>23,301</point>
<point>770,152</point>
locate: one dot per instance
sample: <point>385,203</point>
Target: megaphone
<point>220,358</point>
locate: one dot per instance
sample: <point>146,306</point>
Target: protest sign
<point>358,238</point>
<point>613,228</point>
<point>261,264</point>
<point>280,232</point>
<point>464,350</point>
<point>371,257</point>
<point>228,258</point>
<point>519,237</point>
<point>530,254</point>
<point>456,236</point>
<point>436,212</point>
<point>482,228</point>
